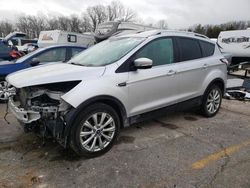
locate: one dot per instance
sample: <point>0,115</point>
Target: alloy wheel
<point>213,101</point>
<point>97,131</point>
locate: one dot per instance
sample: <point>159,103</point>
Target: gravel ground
<point>177,150</point>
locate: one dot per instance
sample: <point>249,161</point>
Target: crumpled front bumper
<point>21,114</point>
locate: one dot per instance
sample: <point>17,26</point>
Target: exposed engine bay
<point>41,108</point>
<point>47,102</point>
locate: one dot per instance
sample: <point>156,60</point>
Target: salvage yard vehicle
<point>8,53</point>
<point>118,28</point>
<point>52,37</point>
<point>237,44</point>
<point>123,80</point>
<point>42,56</point>
<point>51,54</point>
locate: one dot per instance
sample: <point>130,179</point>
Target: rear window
<point>207,48</point>
<point>189,48</point>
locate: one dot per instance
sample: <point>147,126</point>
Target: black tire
<point>85,115</point>
<point>205,101</point>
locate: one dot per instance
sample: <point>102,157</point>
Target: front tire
<point>94,130</point>
<point>211,101</point>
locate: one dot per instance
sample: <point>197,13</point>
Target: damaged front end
<point>41,108</point>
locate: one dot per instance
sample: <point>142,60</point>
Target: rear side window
<point>207,48</point>
<point>189,49</point>
<point>160,51</point>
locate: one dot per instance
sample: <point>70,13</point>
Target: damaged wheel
<point>94,130</point>
<point>211,101</point>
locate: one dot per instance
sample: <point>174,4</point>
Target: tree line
<point>94,15</point>
<point>212,31</point>
<point>86,22</point>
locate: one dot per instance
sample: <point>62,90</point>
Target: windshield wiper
<point>73,63</point>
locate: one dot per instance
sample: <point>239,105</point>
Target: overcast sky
<point>178,13</point>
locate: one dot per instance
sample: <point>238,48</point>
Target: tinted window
<point>53,55</point>
<point>76,51</point>
<point>207,48</point>
<point>160,51</point>
<point>189,48</point>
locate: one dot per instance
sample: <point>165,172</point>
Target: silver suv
<point>85,102</point>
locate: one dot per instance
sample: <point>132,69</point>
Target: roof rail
<point>151,33</point>
<point>186,32</point>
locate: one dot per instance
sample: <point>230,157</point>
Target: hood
<point>53,73</point>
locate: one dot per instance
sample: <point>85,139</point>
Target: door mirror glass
<point>143,63</point>
<point>34,62</point>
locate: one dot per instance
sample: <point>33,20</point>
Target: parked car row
<point>84,102</point>
<point>42,56</point>
<point>8,53</point>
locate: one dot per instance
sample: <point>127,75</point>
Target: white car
<point>85,102</point>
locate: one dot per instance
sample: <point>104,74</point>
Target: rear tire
<point>95,130</point>
<point>211,101</point>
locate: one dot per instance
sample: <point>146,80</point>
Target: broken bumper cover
<point>23,115</point>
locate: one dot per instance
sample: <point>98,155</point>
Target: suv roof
<point>151,33</point>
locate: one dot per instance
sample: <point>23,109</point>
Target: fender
<point>213,77</point>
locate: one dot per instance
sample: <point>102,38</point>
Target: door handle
<point>123,84</point>
<point>171,72</point>
<point>205,66</point>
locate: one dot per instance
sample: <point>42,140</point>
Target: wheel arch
<point>115,103</point>
<point>219,82</point>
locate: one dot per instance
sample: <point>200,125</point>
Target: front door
<point>153,88</point>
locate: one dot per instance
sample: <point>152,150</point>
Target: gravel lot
<point>178,150</point>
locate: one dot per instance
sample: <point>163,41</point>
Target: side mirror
<point>143,63</point>
<point>34,62</point>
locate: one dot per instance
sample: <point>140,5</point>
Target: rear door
<point>192,66</point>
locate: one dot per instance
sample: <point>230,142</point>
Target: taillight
<point>13,54</point>
<point>224,60</point>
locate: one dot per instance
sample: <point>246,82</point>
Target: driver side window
<point>53,55</point>
<point>160,51</point>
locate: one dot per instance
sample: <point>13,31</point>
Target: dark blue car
<point>58,53</point>
<point>5,51</point>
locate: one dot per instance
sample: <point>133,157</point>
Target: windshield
<point>106,52</point>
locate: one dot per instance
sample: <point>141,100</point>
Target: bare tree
<point>85,23</point>
<point>5,28</point>
<point>129,15</point>
<point>64,23</point>
<point>23,24</point>
<point>97,15</point>
<point>31,25</point>
<point>52,23</point>
<point>116,10</point>
<point>36,25</point>
<point>162,24</point>
<point>75,24</point>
